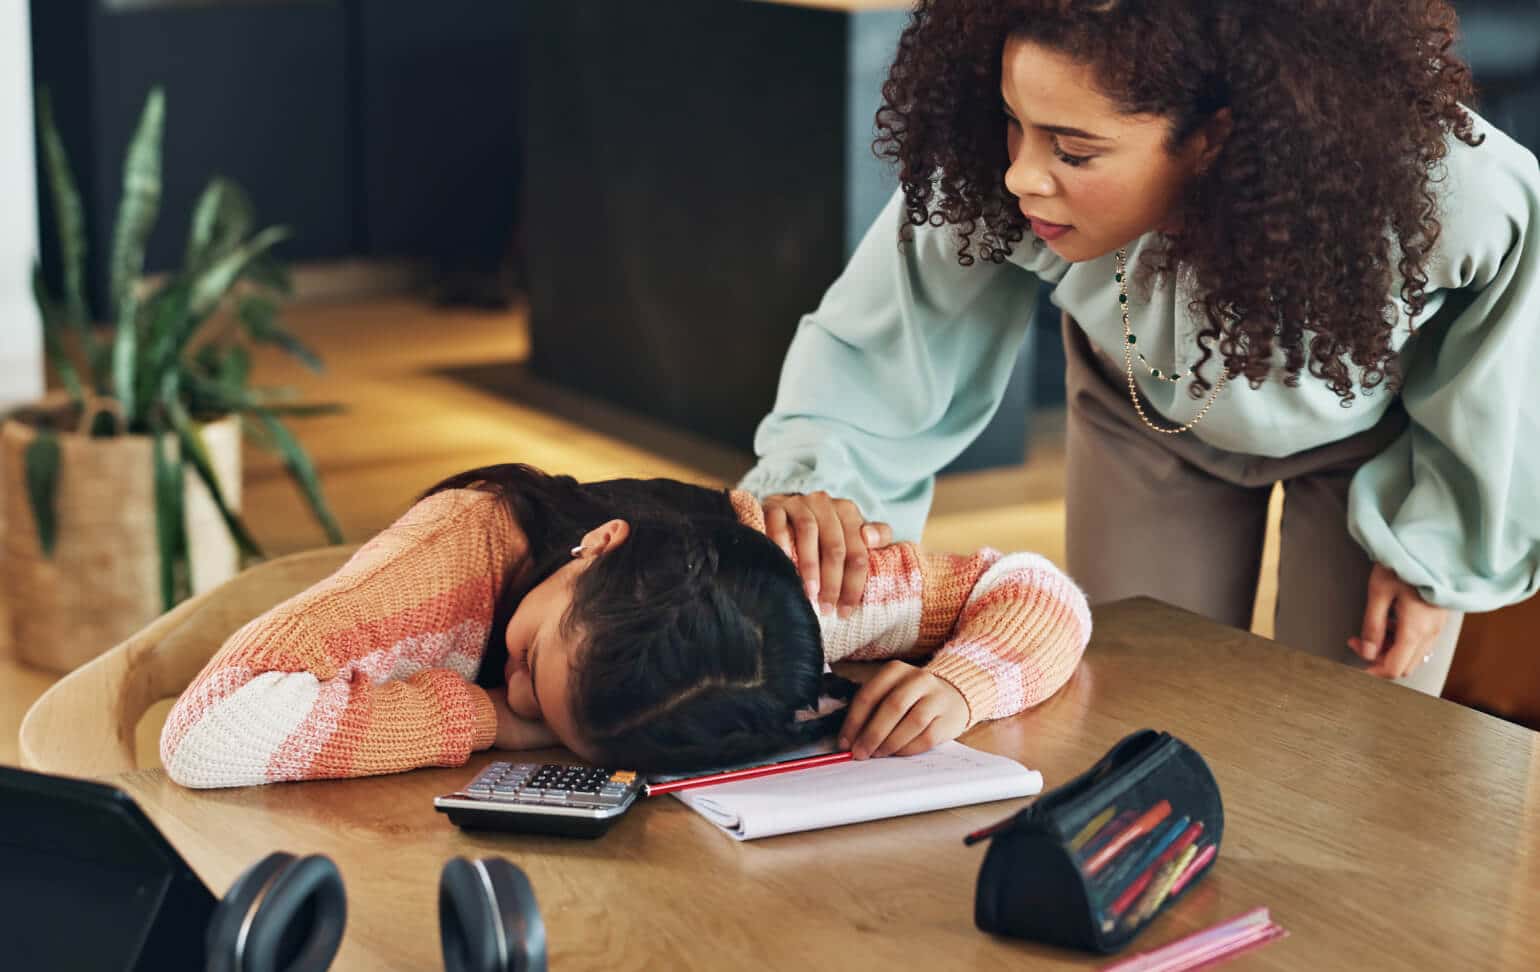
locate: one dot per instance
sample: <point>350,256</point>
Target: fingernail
<point>826,608</point>
<point>1371,650</point>
<point>846,611</point>
<point>812,590</point>
<point>869,534</point>
<point>844,743</point>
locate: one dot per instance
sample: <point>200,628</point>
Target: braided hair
<point>699,643</point>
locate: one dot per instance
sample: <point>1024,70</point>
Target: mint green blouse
<point>907,357</point>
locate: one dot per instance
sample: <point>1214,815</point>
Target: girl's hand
<point>1399,626</point>
<point>902,710</point>
<point>829,539</point>
<point>514,732</point>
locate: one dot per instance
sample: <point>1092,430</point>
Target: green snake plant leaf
<point>125,360</point>
<point>53,337</point>
<point>166,315</point>
<point>140,205</point>
<point>267,271</point>
<point>42,475</point>
<point>306,410</point>
<point>210,285</point>
<point>70,220</point>
<point>259,316</point>
<point>194,451</point>
<point>171,524</point>
<point>221,219</point>
<point>302,470</point>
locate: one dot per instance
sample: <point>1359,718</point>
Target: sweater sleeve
<point>369,671</point>
<point>1007,631</point>
<point>903,363</point>
<point>1450,505</point>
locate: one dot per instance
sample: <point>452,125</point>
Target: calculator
<point>542,798</point>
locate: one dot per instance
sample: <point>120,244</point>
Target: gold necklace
<point>1129,342</point>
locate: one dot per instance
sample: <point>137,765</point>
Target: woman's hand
<point>829,538</point>
<point>901,711</point>
<point>1399,626</point>
<point>514,732</point>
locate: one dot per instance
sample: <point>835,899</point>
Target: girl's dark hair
<point>1321,195</point>
<point>699,642</point>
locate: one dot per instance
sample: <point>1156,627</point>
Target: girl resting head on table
<point>644,624</point>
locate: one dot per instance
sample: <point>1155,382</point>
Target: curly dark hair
<point>1325,187</point>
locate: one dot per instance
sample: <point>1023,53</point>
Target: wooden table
<point>1385,829</point>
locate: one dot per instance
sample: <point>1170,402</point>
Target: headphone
<point>286,914</point>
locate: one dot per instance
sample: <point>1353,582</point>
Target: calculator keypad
<point>551,784</point>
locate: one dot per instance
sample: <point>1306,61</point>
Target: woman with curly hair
<point>1285,251</point>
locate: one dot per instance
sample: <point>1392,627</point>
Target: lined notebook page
<point>951,775</point>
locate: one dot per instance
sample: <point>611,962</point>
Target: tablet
<point>88,882</point>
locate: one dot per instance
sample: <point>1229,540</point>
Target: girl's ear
<point>604,538</point>
<point>1208,140</point>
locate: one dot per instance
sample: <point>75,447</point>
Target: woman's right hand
<point>829,539</point>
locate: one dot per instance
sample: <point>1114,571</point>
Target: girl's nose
<point>1026,177</point>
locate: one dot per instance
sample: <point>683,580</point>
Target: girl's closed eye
<point>1065,157</point>
<point>529,663</point>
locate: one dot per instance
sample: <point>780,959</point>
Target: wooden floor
<point>432,392</point>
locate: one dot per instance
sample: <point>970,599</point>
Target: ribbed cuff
<point>976,685</point>
<point>767,479</point>
<point>484,718</point>
<point>748,510</point>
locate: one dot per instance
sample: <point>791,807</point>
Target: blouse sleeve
<point>896,372</point>
<point>1453,506</point>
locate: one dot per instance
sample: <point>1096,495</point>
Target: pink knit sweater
<point>372,669</point>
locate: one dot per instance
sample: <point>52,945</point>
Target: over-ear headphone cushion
<point>225,925</point>
<point>298,922</point>
<point>298,925</point>
<point>489,920</point>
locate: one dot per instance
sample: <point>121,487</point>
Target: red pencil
<point>748,773</point>
<point>1132,832</point>
<point>1141,882</point>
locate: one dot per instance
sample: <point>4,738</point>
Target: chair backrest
<point>84,725</point>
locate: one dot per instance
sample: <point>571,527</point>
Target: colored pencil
<point>1201,949</point>
<point>1205,855</point>
<point>1169,854</point>
<point>748,773</point>
<point>1160,886</point>
<point>1090,829</point>
<point>1146,822</point>
<point>1108,831</point>
<point>1136,858</point>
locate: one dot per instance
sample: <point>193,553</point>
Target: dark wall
<point>439,128</point>
<point>684,199</point>
<point>370,127</point>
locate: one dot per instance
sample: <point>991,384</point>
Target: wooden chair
<point>85,724</point>
<point>1497,663</point>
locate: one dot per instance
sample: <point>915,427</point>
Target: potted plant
<point>120,495</point>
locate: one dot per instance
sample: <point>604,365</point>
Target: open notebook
<point>951,775</point>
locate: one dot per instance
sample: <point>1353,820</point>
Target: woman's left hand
<point>1399,626</point>
<point>901,711</point>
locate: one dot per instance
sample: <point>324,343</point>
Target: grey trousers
<point>1181,521</point>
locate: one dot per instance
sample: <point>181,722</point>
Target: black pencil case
<point>1090,864</point>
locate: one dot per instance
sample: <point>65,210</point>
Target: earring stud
<point>577,551</point>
